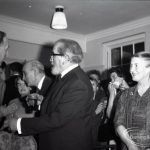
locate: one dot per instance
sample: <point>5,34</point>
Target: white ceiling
<point>84,16</point>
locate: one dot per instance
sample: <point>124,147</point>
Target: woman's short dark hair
<point>118,71</point>
<point>143,55</point>
<point>95,72</point>
<point>93,79</point>
<point>16,67</point>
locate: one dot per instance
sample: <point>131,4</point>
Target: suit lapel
<point>51,96</point>
<point>55,93</point>
<point>45,86</point>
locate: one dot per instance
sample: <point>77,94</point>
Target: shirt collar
<point>41,82</point>
<point>68,70</point>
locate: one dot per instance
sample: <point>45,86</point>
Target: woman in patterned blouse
<point>17,108</point>
<point>132,118</point>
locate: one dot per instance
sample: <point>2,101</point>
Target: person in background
<point>11,92</point>
<point>3,71</point>
<point>115,88</point>
<point>65,116</point>
<point>95,74</point>
<point>2,81</point>
<point>3,46</point>
<point>132,118</point>
<point>15,109</point>
<point>98,111</point>
<point>34,75</point>
<point>3,54</point>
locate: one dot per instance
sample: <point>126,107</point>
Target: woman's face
<point>94,85</point>
<point>139,69</point>
<point>113,76</point>
<point>22,88</point>
<point>94,76</point>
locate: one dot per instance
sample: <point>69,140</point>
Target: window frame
<point>108,46</point>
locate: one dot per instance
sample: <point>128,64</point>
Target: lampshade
<point>59,19</point>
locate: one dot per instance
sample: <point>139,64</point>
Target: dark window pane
<point>139,47</point>
<point>127,53</point>
<point>116,56</point>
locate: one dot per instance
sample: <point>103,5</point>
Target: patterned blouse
<point>133,112</point>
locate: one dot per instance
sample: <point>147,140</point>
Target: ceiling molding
<point>34,33</point>
<point>39,27</point>
<point>119,29</point>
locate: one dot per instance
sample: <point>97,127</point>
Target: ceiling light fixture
<point>59,18</point>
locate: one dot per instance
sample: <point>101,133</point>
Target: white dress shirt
<point>68,70</point>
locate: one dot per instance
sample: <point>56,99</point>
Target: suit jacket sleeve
<point>74,101</point>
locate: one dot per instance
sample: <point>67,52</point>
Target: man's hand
<point>12,123</point>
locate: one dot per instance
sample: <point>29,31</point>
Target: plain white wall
<point>22,50</point>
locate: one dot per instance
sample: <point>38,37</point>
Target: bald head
<point>33,71</point>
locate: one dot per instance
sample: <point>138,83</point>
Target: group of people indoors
<point>69,111</point>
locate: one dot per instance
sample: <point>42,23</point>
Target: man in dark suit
<point>65,119</point>
<point>34,75</point>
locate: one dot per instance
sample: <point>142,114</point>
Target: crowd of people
<point>69,112</point>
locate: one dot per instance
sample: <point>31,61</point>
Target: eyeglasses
<point>54,55</point>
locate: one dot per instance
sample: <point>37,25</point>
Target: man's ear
<point>36,72</point>
<point>67,57</point>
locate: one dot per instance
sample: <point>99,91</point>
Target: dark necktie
<point>57,79</point>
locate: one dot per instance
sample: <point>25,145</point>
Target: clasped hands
<point>33,100</point>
